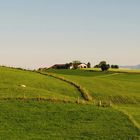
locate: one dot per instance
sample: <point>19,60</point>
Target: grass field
<point>121,70</point>
<point>133,111</point>
<point>122,89</point>
<point>56,118</point>
<point>37,85</point>
<point>42,120</point>
<point>117,87</point>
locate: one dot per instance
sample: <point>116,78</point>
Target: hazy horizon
<point>42,33</point>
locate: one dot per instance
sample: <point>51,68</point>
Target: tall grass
<point>82,90</point>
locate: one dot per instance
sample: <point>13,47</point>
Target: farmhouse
<point>68,66</point>
<point>82,65</point>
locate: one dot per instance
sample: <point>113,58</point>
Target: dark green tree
<point>114,66</point>
<point>89,65</point>
<point>104,66</point>
<point>102,63</point>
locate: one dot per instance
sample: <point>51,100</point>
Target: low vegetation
<point>44,120</point>
<point>86,96</point>
<point>37,86</point>
<point>69,104</point>
<point>111,87</point>
<point>116,87</point>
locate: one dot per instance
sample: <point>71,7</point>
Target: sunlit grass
<point>121,70</point>
<point>50,116</point>
<point>36,85</point>
<point>122,89</point>
<point>43,120</point>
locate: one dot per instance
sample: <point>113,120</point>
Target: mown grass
<point>43,120</point>
<point>36,85</point>
<point>35,117</point>
<point>120,70</point>
<point>122,89</point>
<point>116,87</point>
<point>133,110</point>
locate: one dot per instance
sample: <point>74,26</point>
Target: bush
<point>114,66</point>
<point>105,67</point>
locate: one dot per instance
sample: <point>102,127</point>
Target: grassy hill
<point>117,87</point>
<point>122,89</point>
<point>24,116</point>
<point>120,70</point>
<point>36,85</point>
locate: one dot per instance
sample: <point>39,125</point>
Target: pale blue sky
<point>36,33</point>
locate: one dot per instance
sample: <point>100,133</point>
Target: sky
<point>40,33</point>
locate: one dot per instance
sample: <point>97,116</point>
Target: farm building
<point>82,65</point>
<point>68,66</point>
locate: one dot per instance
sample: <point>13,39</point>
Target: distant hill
<point>131,67</point>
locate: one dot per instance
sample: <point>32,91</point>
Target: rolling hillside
<point>54,105</point>
<point>116,87</point>
<point>122,89</point>
<point>37,86</point>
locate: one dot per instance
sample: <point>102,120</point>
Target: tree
<point>89,65</point>
<point>76,63</point>
<point>114,66</point>
<point>104,66</point>
<point>102,63</point>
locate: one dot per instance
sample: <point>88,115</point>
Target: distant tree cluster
<point>61,66</point>
<point>114,66</point>
<point>104,66</point>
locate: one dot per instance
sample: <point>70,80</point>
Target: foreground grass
<point>133,111</point>
<point>27,118</point>
<point>43,120</point>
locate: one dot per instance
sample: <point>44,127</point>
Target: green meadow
<point>36,85</point>
<point>116,87</point>
<point>122,89</point>
<point>42,120</point>
<point>54,105</point>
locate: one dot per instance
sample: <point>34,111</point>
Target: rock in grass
<point>24,86</point>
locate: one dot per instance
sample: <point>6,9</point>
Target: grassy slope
<point>133,111</point>
<point>122,88</point>
<point>118,87</point>
<point>37,85</point>
<point>121,70</point>
<point>42,120</point>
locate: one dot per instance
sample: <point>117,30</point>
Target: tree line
<point>104,66</point>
